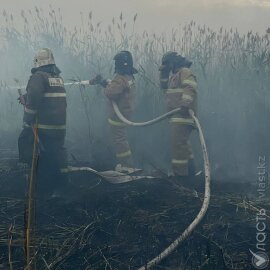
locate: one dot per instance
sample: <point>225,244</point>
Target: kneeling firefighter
<point>45,109</point>
<point>121,90</point>
<point>180,85</point>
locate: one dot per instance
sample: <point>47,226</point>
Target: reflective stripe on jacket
<point>182,92</point>
<point>46,101</point>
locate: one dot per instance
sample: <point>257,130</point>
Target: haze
<point>232,71</point>
<point>160,15</point>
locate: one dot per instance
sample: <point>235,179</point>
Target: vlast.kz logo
<point>260,260</point>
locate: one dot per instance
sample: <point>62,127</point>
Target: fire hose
<point>187,232</point>
<point>167,251</point>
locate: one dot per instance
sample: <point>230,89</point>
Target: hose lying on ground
<point>207,191</point>
<point>112,177</point>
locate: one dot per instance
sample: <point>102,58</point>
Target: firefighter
<point>121,90</point>
<point>45,111</point>
<point>180,84</point>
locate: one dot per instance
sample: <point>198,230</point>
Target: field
<point>232,71</point>
<point>102,226</point>
<point>123,227</point>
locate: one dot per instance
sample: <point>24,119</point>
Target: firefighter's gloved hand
<point>104,83</point>
<point>22,99</point>
<point>99,80</point>
<point>96,80</point>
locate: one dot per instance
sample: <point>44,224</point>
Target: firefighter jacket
<point>182,93</point>
<point>121,90</point>
<point>46,103</point>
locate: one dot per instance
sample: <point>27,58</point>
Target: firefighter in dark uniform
<point>121,90</point>
<point>180,84</point>
<point>45,110</point>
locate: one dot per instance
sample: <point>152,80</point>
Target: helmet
<point>43,57</point>
<point>123,58</point>
<point>124,63</point>
<point>179,62</point>
<point>167,61</point>
<point>168,57</point>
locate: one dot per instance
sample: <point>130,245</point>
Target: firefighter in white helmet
<point>45,108</point>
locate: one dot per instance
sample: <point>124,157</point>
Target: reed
<point>232,71</point>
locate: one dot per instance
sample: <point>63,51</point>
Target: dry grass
<point>232,71</point>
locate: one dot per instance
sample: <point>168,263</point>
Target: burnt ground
<point>98,225</point>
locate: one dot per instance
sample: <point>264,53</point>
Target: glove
<point>104,83</point>
<point>96,80</point>
<point>99,80</point>
<point>22,99</point>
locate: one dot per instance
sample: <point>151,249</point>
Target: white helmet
<point>43,57</point>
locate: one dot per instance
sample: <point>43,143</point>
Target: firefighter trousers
<point>52,158</point>
<point>120,143</point>
<point>181,151</point>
